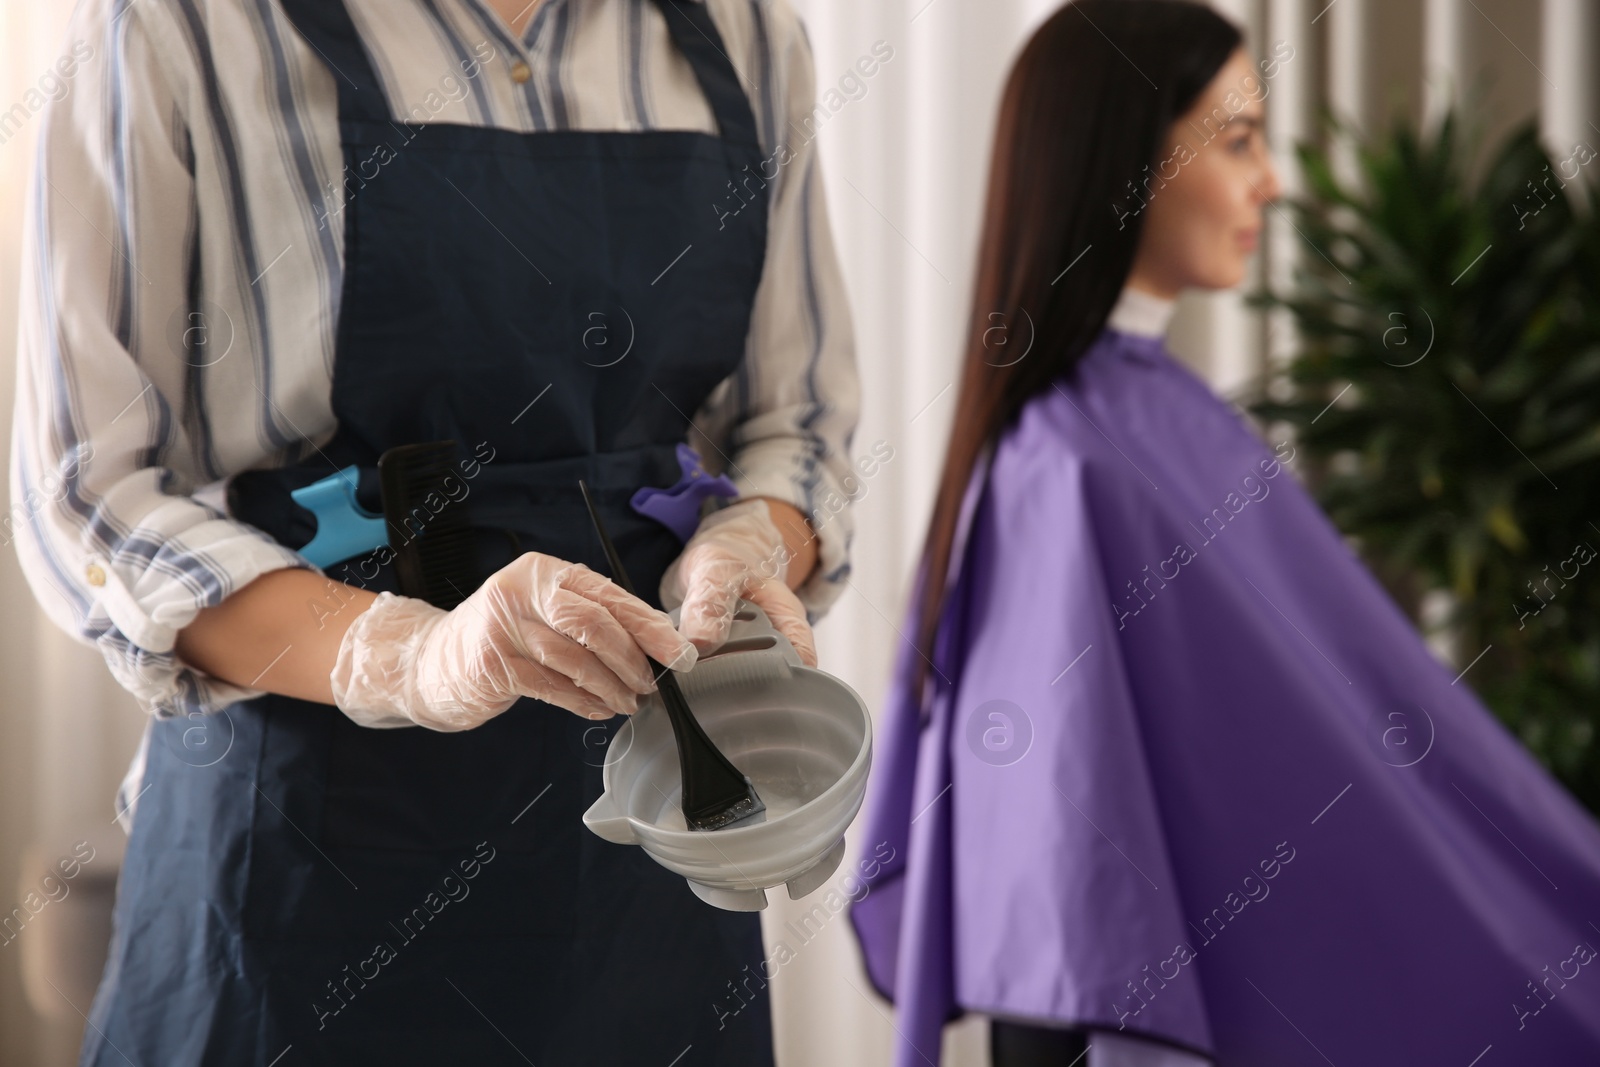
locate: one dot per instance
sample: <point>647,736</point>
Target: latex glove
<point>539,627</point>
<point>738,552</point>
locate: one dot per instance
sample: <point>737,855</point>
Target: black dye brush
<point>715,794</point>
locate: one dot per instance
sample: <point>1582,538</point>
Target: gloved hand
<point>539,627</point>
<point>737,552</point>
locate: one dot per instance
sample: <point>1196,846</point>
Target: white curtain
<point>905,163</point>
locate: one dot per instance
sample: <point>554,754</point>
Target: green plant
<point>1446,392</point>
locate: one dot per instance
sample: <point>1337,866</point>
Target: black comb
<point>715,794</point>
<point>428,530</point>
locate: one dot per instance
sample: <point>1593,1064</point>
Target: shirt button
<point>95,575</point>
<point>520,73</point>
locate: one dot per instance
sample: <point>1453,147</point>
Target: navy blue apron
<point>302,890</point>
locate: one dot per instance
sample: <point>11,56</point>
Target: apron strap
<point>327,27</point>
<point>696,36</point>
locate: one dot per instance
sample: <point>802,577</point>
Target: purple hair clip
<point>678,507</point>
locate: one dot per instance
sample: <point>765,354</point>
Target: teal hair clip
<point>344,527</point>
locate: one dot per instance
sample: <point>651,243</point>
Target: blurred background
<point>1444,511</point>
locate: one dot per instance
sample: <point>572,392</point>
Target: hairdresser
<point>275,243</point>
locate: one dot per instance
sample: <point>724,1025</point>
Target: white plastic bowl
<point>802,736</point>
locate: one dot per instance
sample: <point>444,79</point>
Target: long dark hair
<point>1085,112</point>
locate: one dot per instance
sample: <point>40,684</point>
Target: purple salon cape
<point>1187,772</point>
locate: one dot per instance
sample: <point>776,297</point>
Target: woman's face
<point>1208,191</point>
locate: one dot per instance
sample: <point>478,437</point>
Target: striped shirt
<point>182,272</point>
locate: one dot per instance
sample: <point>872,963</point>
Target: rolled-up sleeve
<point>788,415</point>
<point>117,551</point>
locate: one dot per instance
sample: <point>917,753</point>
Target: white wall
<point>905,167</point>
